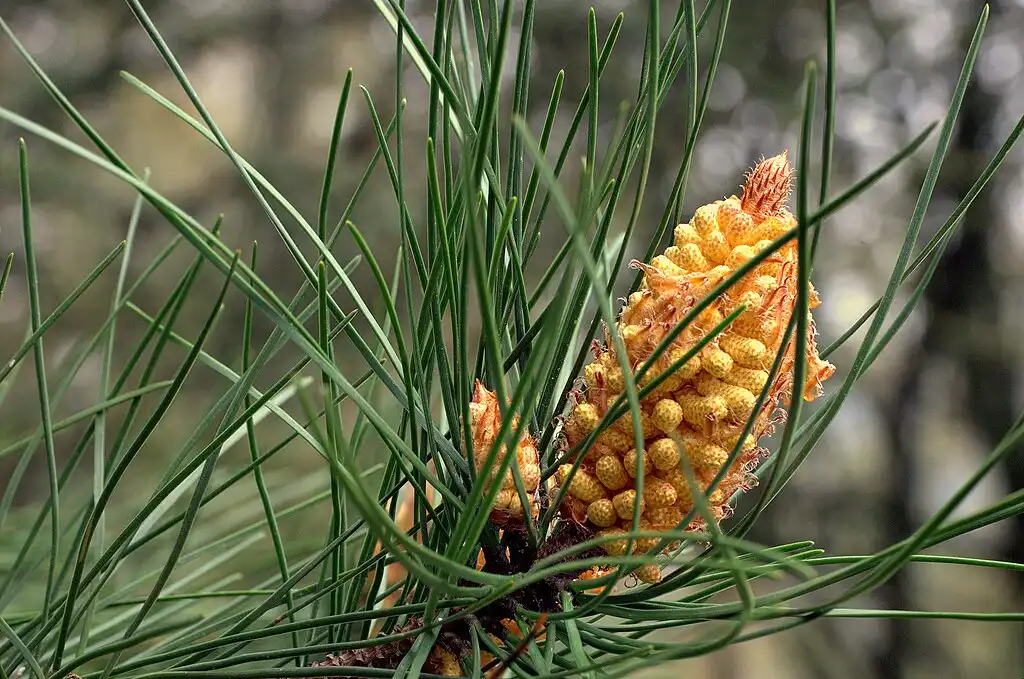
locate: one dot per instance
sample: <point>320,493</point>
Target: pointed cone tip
<point>767,186</point>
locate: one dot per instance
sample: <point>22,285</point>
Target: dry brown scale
<point>442,659</point>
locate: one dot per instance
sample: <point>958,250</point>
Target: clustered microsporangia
<point>698,412</point>
<point>701,409</point>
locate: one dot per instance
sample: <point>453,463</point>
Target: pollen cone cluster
<point>485,422</point>
<point>700,410</point>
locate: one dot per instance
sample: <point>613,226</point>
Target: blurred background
<point>938,400</point>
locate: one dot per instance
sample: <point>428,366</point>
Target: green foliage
<point>153,578</point>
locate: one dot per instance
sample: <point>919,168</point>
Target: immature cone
<point>485,422</point>
<point>700,410</point>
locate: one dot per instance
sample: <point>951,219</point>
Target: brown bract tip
<point>767,187</point>
<point>485,418</point>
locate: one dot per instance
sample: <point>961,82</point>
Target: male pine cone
<point>701,409</point>
<point>485,422</point>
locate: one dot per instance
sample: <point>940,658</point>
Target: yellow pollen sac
<point>625,502</point>
<point>583,486</point>
<point>571,431</point>
<point>764,284</point>
<point>710,317</point>
<point>752,299</point>
<point>679,481</point>
<point>659,493</point>
<point>730,442</point>
<point>596,451</point>
<point>625,423</point>
<point>772,228</point>
<point>664,453</point>
<point>593,374</point>
<point>515,505</point>
<point>586,417</point>
<point>690,368</point>
<point>684,234</point>
<point>749,353</point>
<point>699,411</point>
<point>649,573</point>
<point>704,454</point>
<point>614,381</point>
<point>741,230</point>
<point>629,462</point>
<point>768,331</point>
<point>717,496</point>
<point>716,248</point>
<point>762,245</point>
<point>611,473</point>
<point>665,518</point>
<point>686,370</point>
<point>527,452</point>
<point>739,401</point>
<point>667,415</point>
<point>719,274</point>
<point>503,498</point>
<point>727,212</point>
<point>531,476</point>
<point>690,257</point>
<point>716,361</point>
<point>642,545</point>
<point>672,252</point>
<point>615,440</point>
<point>608,360</point>
<point>664,390</point>
<point>632,335</point>
<point>705,220</point>
<point>707,384</point>
<point>613,547</point>
<point>718,406</point>
<point>602,513</point>
<point>665,266</point>
<point>751,379</point>
<point>753,324</point>
<point>739,256</point>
